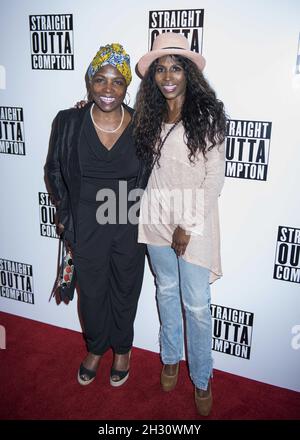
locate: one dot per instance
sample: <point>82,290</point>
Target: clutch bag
<point>67,280</point>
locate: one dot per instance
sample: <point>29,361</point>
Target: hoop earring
<point>88,96</point>
<point>127,99</point>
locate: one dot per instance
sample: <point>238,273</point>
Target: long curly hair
<point>203,115</point>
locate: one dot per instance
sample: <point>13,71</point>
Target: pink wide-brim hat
<point>169,43</point>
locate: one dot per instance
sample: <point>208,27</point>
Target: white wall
<point>251,52</point>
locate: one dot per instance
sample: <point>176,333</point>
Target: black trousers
<point>110,265</point>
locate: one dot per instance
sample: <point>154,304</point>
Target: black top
<point>96,161</point>
<point>105,169</point>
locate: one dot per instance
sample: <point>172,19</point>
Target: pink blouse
<point>185,194</point>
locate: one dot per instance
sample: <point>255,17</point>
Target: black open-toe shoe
<point>85,376</point>
<point>122,376</point>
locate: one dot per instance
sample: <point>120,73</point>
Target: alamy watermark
<point>154,206</point>
<point>295,342</point>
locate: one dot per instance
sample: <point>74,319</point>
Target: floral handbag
<point>67,280</point>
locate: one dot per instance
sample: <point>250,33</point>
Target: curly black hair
<point>203,115</point>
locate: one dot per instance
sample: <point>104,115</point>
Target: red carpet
<point>38,381</point>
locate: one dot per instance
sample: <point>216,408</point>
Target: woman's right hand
<point>180,240</point>
<point>60,230</point>
<point>80,104</point>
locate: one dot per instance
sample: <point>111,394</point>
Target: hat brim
<point>146,60</point>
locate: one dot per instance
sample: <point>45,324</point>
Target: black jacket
<point>62,169</point>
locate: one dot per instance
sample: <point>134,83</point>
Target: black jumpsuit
<point>108,260</point>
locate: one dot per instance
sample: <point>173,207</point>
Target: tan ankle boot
<point>168,382</point>
<point>203,404</point>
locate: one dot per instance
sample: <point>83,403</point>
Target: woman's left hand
<point>180,241</point>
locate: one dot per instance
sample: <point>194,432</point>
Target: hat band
<point>174,47</point>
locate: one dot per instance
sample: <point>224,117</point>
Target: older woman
<point>92,155</point>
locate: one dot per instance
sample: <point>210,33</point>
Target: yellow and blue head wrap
<point>115,55</point>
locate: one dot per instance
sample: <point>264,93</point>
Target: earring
<point>88,97</point>
<point>127,98</point>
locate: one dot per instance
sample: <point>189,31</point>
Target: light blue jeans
<point>178,280</point>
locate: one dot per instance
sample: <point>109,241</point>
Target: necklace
<point>162,142</point>
<point>102,129</point>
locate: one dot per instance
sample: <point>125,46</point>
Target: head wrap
<point>114,55</point>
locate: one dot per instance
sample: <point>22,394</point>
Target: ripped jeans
<point>182,283</point>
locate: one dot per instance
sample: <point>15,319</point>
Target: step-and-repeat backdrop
<point>253,62</point>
